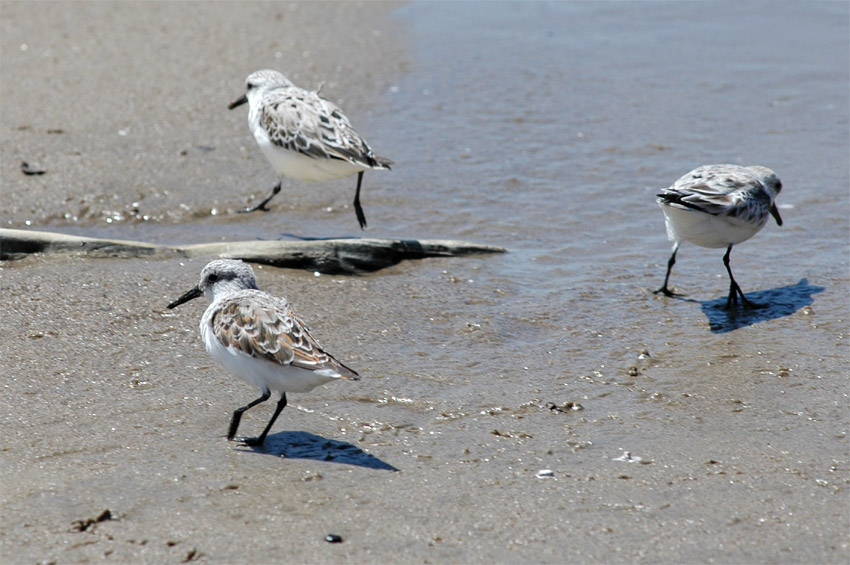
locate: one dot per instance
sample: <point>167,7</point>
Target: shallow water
<point>548,128</point>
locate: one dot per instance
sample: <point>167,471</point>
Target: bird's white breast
<point>706,230</point>
<point>294,165</point>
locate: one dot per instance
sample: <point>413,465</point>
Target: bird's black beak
<point>192,294</point>
<point>238,102</point>
<point>775,213</point>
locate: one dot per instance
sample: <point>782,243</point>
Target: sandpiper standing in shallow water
<point>719,206</point>
<point>257,338</point>
<point>304,136</point>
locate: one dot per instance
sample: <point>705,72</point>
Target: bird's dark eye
<point>778,186</point>
<point>213,277</point>
<point>249,86</point>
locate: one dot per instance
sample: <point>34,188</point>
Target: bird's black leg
<point>262,205</point>
<point>281,404</point>
<point>664,290</point>
<point>734,289</point>
<point>237,414</point>
<point>361,217</point>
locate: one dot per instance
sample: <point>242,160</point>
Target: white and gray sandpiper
<point>258,338</point>
<point>719,206</point>
<point>304,136</point>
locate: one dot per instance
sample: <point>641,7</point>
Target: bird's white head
<point>772,185</point>
<point>266,78</point>
<point>226,276</point>
<point>257,84</point>
<point>221,278</point>
<point>769,179</point>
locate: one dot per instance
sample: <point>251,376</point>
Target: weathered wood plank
<point>326,256</point>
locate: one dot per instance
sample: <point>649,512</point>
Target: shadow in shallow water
<point>782,301</point>
<point>304,445</point>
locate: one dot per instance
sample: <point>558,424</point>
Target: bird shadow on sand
<point>304,445</point>
<point>780,302</point>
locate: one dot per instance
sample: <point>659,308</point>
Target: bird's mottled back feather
<point>301,120</point>
<point>262,326</point>
<point>721,190</point>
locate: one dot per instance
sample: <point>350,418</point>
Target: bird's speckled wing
<point>733,193</point>
<point>263,326</point>
<point>301,120</point>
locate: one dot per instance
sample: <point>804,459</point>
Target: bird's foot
<point>666,292</point>
<point>253,441</point>
<point>361,218</point>
<point>248,209</point>
<point>746,304</point>
<point>732,304</point>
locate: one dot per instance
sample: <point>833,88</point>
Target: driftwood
<point>331,256</point>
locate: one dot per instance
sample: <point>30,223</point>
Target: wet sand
<point>111,403</point>
<point>602,424</point>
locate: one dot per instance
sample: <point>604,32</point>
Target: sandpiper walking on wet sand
<point>719,206</point>
<point>257,337</point>
<point>304,136</point>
